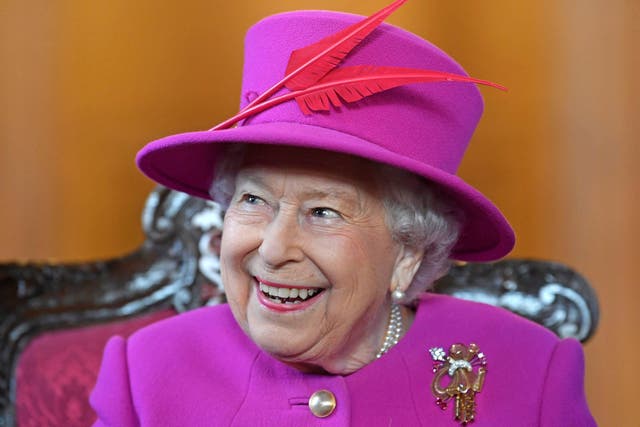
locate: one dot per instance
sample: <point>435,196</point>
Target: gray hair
<point>417,215</point>
<point>223,185</point>
<point>420,217</point>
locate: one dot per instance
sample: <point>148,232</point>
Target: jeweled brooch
<point>458,376</point>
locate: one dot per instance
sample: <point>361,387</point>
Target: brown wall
<point>83,85</point>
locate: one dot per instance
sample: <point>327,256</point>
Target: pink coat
<point>200,369</point>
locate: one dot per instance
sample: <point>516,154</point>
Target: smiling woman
<point>312,222</point>
<point>340,212</point>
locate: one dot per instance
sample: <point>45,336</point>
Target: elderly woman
<point>342,208</point>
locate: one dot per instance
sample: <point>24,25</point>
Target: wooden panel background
<point>83,85</point>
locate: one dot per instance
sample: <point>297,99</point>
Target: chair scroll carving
<point>548,293</point>
<point>177,267</point>
<point>163,273</point>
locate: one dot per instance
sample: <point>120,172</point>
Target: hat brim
<point>185,162</point>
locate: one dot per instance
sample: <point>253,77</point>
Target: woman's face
<point>307,258</point>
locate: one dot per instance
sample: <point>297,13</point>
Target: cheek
<point>238,240</point>
<point>362,263</point>
<point>237,289</point>
<point>236,245</point>
<point>235,286</point>
<point>374,247</point>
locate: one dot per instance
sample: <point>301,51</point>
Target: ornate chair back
<point>56,319</point>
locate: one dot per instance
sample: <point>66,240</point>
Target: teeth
<point>283,292</point>
<point>279,294</point>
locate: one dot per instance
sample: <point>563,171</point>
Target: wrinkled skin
<point>313,219</point>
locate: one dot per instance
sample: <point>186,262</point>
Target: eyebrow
<point>332,192</point>
<point>253,179</point>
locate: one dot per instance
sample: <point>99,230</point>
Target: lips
<point>286,297</point>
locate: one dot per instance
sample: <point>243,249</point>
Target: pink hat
<point>422,127</point>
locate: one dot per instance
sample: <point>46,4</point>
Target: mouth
<point>286,297</point>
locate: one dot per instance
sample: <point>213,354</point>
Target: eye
<point>326,213</point>
<point>251,199</point>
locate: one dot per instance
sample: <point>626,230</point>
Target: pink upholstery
<point>57,371</point>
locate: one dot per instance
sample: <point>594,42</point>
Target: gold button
<point>322,403</point>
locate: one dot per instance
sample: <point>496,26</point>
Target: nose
<point>281,240</point>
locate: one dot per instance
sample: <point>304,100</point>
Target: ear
<point>406,266</point>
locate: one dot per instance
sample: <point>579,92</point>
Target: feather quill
<point>309,64</point>
<point>351,84</point>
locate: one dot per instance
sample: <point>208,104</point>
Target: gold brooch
<point>465,367</point>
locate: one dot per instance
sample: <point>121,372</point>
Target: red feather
<point>309,64</point>
<point>352,84</point>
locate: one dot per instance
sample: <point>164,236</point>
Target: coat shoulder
<point>461,317</point>
<point>186,367</point>
<point>210,330</point>
<point>547,370</point>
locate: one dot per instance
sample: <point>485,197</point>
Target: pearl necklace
<point>394,330</point>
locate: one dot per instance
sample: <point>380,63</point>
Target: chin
<point>286,350</point>
<point>281,349</point>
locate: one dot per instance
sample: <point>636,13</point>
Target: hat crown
<point>430,123</point>
<point>420,127</point>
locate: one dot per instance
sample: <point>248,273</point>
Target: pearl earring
<point>398,295</point>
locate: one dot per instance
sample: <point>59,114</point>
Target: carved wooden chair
<point>56,319</point>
